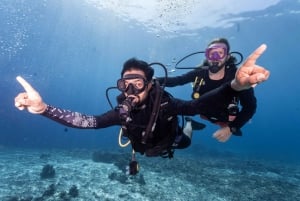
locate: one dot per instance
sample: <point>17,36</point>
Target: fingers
<point>255,55</point>
<point>223,134</point>
<point>19,106</point>
<point>259,75</point>
<point>28,88</point>
<point>20,101</point>
<point>220,138</point>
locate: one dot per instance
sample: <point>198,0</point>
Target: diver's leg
<point>188,130</point>
<point>195,125</point>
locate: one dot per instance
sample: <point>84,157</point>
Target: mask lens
<point>135,83</point>
<point>138,84</point>
<point>121,85</point>
<point>216,52</point>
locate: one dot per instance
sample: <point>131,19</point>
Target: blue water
<point>71,51</point>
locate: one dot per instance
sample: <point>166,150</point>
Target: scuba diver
<point>219,67</point>
<point>146,113</point>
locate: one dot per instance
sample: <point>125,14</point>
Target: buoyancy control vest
<point>164,128</point>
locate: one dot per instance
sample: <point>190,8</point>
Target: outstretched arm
<point>32,101</point>
<point>181,79</point>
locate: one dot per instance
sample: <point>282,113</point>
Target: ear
<point>149,86</point>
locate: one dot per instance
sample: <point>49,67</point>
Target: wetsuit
<point>167,130</point>
<point>246,98</point>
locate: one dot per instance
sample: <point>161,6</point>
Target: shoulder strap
<point>154,114</point>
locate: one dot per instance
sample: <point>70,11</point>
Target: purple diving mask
<point>216,52</point>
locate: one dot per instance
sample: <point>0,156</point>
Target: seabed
<point>207,177</point>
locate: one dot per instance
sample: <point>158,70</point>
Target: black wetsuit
<point>167,130</point>
<point>246,98</point>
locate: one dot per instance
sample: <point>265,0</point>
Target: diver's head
<point>217,53</point>
<point>136,79</point>
<point>135,64</point>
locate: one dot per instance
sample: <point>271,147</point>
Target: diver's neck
<point>218,75</point>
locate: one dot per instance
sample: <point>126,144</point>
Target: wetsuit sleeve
<point>209,101</point>
<point>78,120</point>
<point>248,108</point>
<point>180,80</point>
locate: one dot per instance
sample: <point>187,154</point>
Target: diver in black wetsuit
<point>137,107</point>
<point>219,68</point>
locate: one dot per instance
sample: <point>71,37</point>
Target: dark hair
<point>135,64</point>
<point>221,40</point>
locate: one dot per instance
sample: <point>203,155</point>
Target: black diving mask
<point>132,84</point>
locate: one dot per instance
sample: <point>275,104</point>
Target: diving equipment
<point>125,108</point>
<point>233,109</point>
<point>133,167</point>
<point>216,52</point>
<point>132,84</point>
<point>196,87</point>
<point>215,55</point>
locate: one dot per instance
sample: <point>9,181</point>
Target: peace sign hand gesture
<point>29,99</point>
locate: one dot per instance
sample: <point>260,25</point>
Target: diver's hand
<point>29,99</point>
<point>250,74</point>
<point>223,134</point>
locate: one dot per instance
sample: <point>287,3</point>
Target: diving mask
<point>216,52</point>
<point>132,84</point>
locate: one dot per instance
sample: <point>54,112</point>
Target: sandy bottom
<point>184,177</point>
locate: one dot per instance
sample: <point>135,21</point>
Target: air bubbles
<point>14,27</point>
